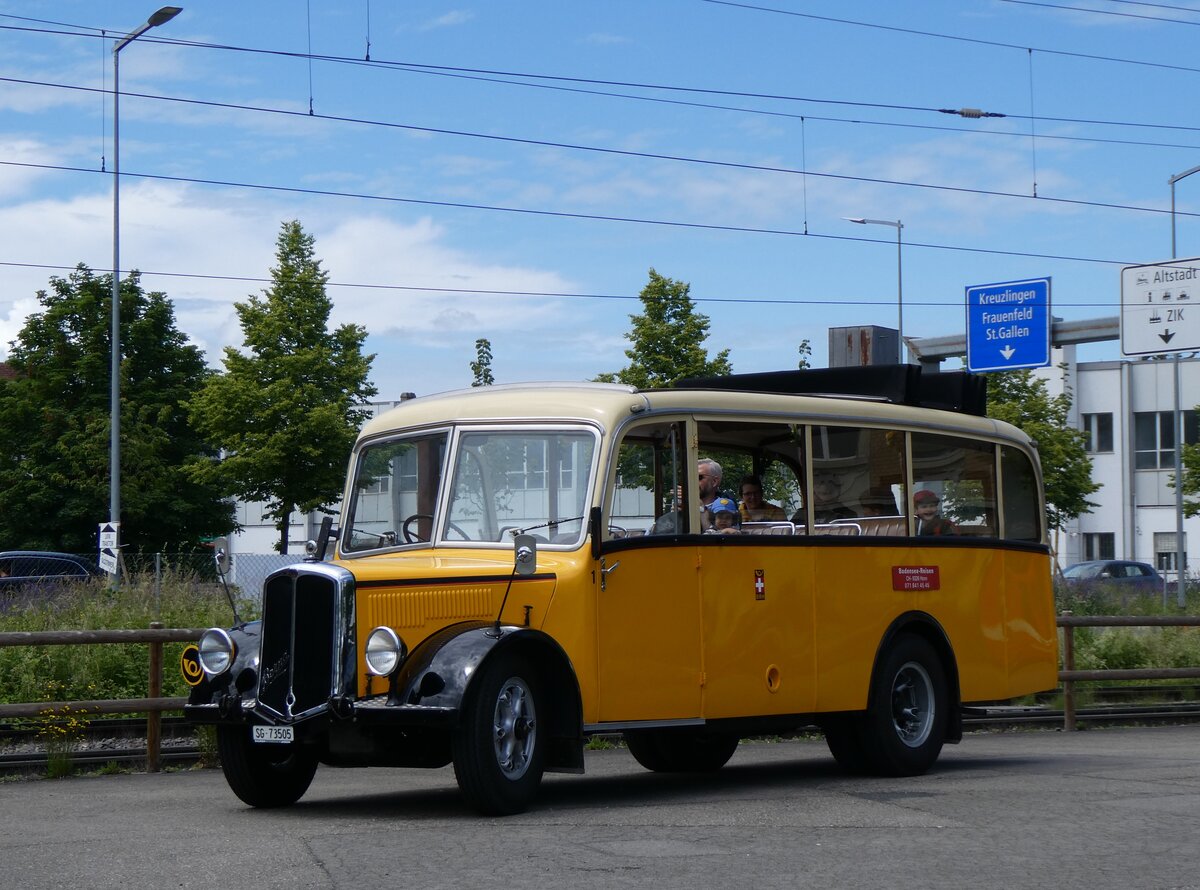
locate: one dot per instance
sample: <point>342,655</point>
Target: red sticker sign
<point>760,584</point>
<point>916,578</point>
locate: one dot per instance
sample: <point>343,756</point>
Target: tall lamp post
<point>162,16</point>
<point>1180,549</point>
<point>899,227</point>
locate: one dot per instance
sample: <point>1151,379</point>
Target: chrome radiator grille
<point>301,634</point>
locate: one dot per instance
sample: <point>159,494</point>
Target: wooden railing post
<point>1068,685</point>
<point>154,718</point>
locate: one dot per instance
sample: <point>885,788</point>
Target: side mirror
<point>525,550</point>
<point>221,554</point>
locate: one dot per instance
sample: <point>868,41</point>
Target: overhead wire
<point>433,289</point>
<point>618,152</point>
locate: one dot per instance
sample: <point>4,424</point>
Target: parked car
<point>20,568</point>
<point>1122,574</point>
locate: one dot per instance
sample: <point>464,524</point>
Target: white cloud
<point>451,19</point>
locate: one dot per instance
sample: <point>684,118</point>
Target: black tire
<point>905,724</point>
<point>499,748</point>
<point>680,751</point>
<point>844,736</point>
<point>264,775</point>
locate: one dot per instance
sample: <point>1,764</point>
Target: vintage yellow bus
<point>517,568</point>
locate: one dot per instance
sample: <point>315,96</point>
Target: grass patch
<point>102,671</point>
<point>1126,648</point>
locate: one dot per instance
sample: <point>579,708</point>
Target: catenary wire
<point>541,143</point>
<point>250,279</point>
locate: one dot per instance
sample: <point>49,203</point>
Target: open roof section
<point>898,384</point>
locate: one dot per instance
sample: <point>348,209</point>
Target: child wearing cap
<point>725,517</point>
<point>930,521</point>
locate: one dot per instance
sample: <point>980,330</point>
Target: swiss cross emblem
<point>760,585</point>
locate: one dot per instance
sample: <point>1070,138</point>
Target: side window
<point>954,486</point>
<point>1022,513</point>
<point>858,473</point>
<point>650,470</point>
<point>761,467</point>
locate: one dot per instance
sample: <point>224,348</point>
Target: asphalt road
<point>1096,809</point>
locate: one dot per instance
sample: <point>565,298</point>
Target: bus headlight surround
<point>217,651</point>
<point>384,652</point>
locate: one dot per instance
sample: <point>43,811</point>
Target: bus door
<point>756,587</point>
<point>648,618</point>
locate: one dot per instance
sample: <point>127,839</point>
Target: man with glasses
<point>709,472</point>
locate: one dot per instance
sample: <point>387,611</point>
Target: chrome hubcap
<point>912,704</point>
<point>514,728</point>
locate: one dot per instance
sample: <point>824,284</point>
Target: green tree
<point>668,339</point>
<point>286,411</point>
<point>482,366</point>
<point>1191,476</point>
<point>1023,400</point>
<point>55,413</point>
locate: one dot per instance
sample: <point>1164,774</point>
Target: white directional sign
<point>1160,307</point>
<point>110,535</point>
<point>109,532</point>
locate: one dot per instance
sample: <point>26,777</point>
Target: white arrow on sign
<point>108,561</point>
<point>1007,352</point>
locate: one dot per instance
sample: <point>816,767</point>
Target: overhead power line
<point>1095,57</point>
<point>467,291</point>
<point>420,67</point>
<point>568,146</point>
<point>458,205</point>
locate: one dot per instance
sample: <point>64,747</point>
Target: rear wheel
<point>499,749</point>
<point>680,751</point>
<point>264,775</point>
<point>905,724</point>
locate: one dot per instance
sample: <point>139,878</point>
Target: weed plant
<point>102,670</point>
<point>1124,648</point>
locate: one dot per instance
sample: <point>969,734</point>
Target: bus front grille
<point>300,633</point>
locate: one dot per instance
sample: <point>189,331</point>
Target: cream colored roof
<point>608,404</point>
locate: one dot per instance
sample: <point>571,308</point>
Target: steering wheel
<point>411,537</point>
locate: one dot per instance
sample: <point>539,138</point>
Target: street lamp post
<point>1180,549</point>
<point>899,227</point>
<point>161,16</point>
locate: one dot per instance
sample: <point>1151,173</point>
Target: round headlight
<point>216,651</point>
<point>384,651</point>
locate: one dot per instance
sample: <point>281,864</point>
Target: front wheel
<point>905,724</point>
<point>264,775</point>
<point>499,749</point>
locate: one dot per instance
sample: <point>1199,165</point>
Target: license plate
<point>279,735</point>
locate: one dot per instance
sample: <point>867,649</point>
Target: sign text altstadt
<point>1158,311</point>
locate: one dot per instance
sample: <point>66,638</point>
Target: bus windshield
<point>501,483</point>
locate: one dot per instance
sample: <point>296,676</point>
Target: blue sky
<point>513,169</point>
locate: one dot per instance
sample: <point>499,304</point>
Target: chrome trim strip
<point>619,725</point>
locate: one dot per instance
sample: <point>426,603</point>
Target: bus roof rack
<point>898,384</point>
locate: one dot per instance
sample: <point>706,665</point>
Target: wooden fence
<point>154,704</point>
<point>1068,676</point>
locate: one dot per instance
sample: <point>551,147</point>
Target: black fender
<point>241,676</point>
<point>926,626</point>
<point>440,672</point>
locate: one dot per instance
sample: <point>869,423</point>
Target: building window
<point>1099,545</point>
<point>1166,551</point>
<point>1154,438</point>
<point>1098,428</point>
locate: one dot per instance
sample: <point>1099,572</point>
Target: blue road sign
<point>1008,325</point>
